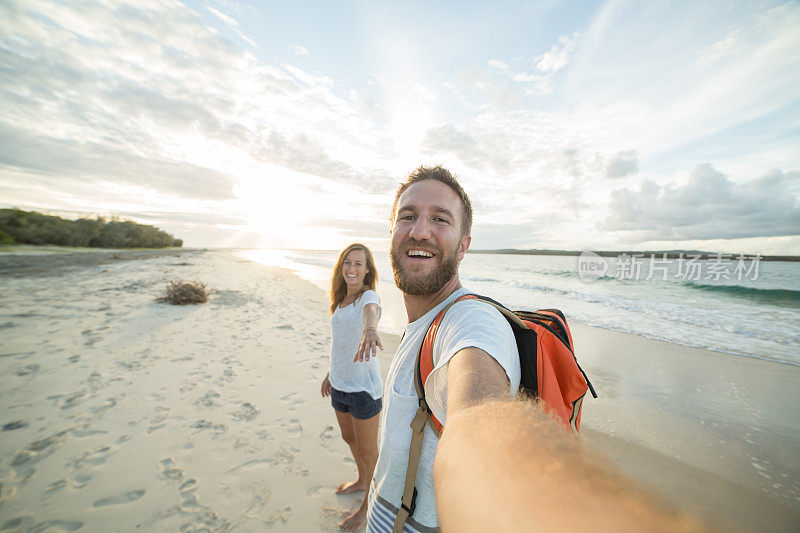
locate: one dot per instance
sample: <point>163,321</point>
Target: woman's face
<point>354,268</point>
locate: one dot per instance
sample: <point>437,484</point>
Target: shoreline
<point>124,411</point>
<point>25,262</point>
<point>716,435</point>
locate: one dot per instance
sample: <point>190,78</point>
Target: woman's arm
<point>370,341</point>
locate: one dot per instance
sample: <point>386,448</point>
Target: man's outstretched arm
<point>504,465</point>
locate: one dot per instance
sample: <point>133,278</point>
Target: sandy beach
<point>119,413</point>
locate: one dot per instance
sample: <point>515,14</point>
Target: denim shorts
<point>359,404</point>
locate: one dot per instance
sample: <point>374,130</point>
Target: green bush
<point>5,238</point>
<point>30,227</point>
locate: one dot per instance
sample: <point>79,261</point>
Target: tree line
<point>30,227</point>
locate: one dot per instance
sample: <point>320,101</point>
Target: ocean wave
<point>479,278</point>
<point>782,297</point>
<point>696,343</point>
<point>313,261</point>
<point>716,320</point>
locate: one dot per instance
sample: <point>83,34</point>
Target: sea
<point>737,305</point>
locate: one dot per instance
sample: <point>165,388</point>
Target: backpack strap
<point>424,363</point>
<point>409,499</point>
<point>423,367</point>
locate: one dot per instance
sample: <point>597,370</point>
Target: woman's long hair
<point>339,287</point>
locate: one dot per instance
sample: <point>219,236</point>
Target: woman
<point>354,378</point>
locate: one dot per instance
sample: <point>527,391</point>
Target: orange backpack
<point>550,373</point>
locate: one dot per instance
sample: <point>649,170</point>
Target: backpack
<point>550,374</point>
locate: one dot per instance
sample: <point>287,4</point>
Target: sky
<point>578,125</point>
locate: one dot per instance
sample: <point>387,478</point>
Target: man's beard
<point>432,283</point>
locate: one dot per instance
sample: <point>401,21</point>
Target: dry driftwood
<point>184,292</point>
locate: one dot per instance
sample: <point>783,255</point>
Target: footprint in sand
<point>56,485</point>
<point>91,337</point>
<point>80,480</point>
<point>330,517</point>
<point>72,400</point>
<point>25,523</point>
<point>91,458</point>
<point>283,515</point>
<point>189,501</point>
<point>109,403</point>
<point>205,424</point>
<point>119,499</point>
<point>316,490</point>
<point>27,370</point>
<point>207,399</point>
<point>255,463</point>
<point>292,426</point>
<point>292,400</point>
<point>35,452</point>
<point>246,413</point>
<point>76,482</point>
<point>18,523</point>
<point>326,435</point>
<point>93,380</point>
<point>16,424</point>
<point>157,419</point>
<point>227,376</point>
<point>58,525</point>
<point>285,455</point>
<point>83,433</point>
<point>169,470</point>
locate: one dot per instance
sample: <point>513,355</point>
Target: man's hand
<point>325,389</point>
<point>370,342</point>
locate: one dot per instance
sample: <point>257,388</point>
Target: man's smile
<point>418,255</point>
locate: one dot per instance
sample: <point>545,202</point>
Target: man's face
<point>426,238</point>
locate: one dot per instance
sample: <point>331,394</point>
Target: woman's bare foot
<point>357,520</point>
<point>350,486</point>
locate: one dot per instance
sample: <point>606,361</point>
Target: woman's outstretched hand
<point>370,342</point>
<point>325,389</point>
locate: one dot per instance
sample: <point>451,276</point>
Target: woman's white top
<point>347,329</point>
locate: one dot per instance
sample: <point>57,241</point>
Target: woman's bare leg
<point>366,432</point>
<point>349,435</point>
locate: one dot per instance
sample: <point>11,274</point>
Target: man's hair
<point>442,175</point>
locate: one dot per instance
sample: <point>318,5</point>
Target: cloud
<point>164,103</point>
<point>498,65</point>
<point>718,51</point>
<point>708,206</point>
<point>299,50</point>
<point>354,227</point>
<point>234,24</point>
<point>448,138</point>
<point>303,154</point>
<point>623,164</point>
<point>559,55</point>
<point>533,77</point>
<point>153,98</point>
<point>60,162</point>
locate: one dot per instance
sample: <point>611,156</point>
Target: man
<point>475,355</point>
<point>501,465</point>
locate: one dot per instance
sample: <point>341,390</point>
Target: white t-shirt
<point>347,329</point>
<point>468,324</point>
